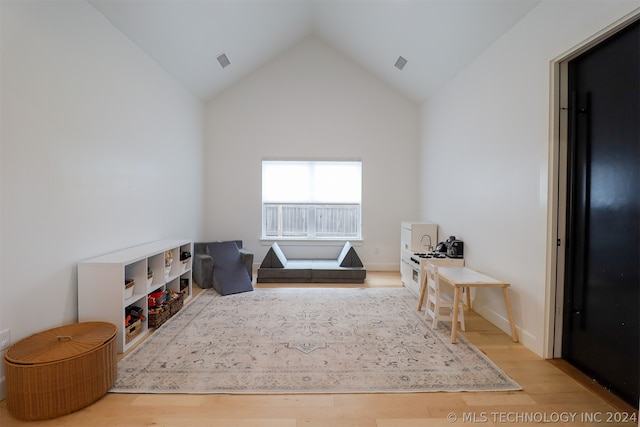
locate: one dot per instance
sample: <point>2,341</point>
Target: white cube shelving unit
<point>101,290</point>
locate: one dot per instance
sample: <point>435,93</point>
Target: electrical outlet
<point>5,339</point>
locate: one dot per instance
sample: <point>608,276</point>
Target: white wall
<point>101,150</point>
<point>485,139</point>
<point>312,102</point>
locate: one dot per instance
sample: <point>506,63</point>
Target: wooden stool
<point>56,372</point>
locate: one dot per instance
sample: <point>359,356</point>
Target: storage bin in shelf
<point>185,258</point>
<point>175,303</point>
<point>134,321</point>
<point>157,319</point>
<point>184,284</point>
<point>128,288</point>
<point>133,331</point>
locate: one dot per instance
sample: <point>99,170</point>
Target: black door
<point>601,331</point>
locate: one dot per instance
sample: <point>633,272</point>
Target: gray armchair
<point>222,266</point>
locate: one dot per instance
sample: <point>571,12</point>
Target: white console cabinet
<point>101,283</point>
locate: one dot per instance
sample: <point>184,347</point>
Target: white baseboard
<point>383,266</point>
<point>524,337</point>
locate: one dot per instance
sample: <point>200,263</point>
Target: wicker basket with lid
<point>61,370</point>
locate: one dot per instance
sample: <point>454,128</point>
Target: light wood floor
<point>549,394</point>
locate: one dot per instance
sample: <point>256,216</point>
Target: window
<point>311,199</point>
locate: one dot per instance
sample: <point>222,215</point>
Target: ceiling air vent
<point>400,63</point>
<point>223,60</point>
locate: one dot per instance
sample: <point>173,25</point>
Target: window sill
<point>309,242</point>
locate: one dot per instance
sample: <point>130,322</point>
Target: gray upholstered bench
<point>347,268</point>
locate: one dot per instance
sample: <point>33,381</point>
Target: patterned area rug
<point>312,340</point>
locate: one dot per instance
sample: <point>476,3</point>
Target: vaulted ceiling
<point>438,38</point>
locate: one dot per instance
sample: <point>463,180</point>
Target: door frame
<point>557,183</point>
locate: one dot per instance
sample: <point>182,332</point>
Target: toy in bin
<point>157,298</point>
<point>133,314</point>
<point>168,258</point>
<point>156,309</point>
<point>135,311</point>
